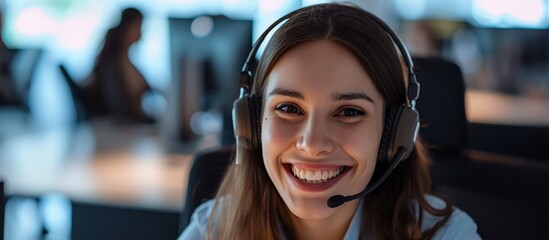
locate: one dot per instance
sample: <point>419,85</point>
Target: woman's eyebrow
<point>351,96</point>
<point>335,96</point>
<point>286,92</point>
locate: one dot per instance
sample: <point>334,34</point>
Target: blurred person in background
<point>116,86</point>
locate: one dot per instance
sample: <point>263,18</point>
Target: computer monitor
<point>207,54</point>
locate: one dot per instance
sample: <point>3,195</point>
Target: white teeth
<point>310,176</point>
<point>315,177</point>
<point>318,176</point>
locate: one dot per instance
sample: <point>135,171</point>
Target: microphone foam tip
<point>336,201</point>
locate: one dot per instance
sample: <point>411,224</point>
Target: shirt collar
<point>354,228</point>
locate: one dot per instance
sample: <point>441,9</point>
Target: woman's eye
<point>288,108</point>
<point>350,112</point>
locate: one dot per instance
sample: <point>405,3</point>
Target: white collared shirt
<point>459,226</point>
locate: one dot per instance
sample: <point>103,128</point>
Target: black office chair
<point>205,176</point>
<point>77,94</point>
<point>86,107</point>
<point>441,104</point>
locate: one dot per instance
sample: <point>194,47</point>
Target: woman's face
<point>322,122</point>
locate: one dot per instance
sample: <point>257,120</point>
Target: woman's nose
<point>315,137</point>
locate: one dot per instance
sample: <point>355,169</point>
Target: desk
<point>506,109</point>
<point>99,164</point>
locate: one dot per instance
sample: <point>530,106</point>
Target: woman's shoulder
<point>199,222</point>
<point>202,212</point>
<point>459,226</point>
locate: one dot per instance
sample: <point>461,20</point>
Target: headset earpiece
<point>400,130</point>
<point>247,130</point>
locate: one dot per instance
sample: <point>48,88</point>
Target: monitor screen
<point>207,54</point>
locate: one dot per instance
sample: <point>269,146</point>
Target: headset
<point>401,120</point>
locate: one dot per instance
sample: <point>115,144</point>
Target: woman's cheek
<point>277,132</point>
<point>275,139</point>
<point>360,141</point>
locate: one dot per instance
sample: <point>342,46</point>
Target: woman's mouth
<point>312,176</point>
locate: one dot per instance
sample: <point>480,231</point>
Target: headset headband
<point>246,78</point>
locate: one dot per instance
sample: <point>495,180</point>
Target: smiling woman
<point>329,113</point>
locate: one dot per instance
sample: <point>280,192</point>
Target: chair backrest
<point>441,104</point>
<point>207,170</point>
<point>77,94</point>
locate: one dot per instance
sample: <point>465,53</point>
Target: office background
<point>62,175</point>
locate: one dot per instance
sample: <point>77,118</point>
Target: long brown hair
<point>248,205</point>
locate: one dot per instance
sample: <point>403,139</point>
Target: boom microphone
<point>338,200</point>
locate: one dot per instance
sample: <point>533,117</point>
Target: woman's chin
<point>313,209</point>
